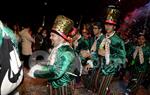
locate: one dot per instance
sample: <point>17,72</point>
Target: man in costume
<point>11,71</point>
<point>59,68</point>
<point>139,60</point>
<point>97,31</point>
<point>111,50</point>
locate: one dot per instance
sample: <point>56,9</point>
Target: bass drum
<point>38,57</point>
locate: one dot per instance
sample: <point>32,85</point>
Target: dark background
<point>32,11</point>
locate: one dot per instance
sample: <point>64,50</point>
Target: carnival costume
<point>59,68</point>
<point>114,52</point>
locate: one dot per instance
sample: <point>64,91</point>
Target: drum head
<point>38,57</point>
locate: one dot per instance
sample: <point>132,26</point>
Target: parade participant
<point>59,68</point>
<point>11,71</point>
<point>83,46</point>
<point>111,50</point>
<point>139,60</point>
<point>97,31</point>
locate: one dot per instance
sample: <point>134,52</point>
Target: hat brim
<point>60,34</point>
<point>110,22</point>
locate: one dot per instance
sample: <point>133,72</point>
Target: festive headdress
<point>64,27</point>
<point>112,15</point>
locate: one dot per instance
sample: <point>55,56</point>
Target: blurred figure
<point>16,30</point>
<point>11,71</point>
<point>26,42</point>
<point>38,38</point>
<point>45,43</point>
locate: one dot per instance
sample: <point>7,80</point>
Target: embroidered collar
<point>108,36</point>
<point>53,53</point>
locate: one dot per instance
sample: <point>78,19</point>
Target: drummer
<point>58,70</point>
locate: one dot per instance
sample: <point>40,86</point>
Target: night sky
<point>32,11</point>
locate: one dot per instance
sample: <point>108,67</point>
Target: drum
<point>38,57</point>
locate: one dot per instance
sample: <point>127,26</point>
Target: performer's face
<point>55,39</point>
<point>109,28</point>
<point>141,40</point>
<point>85,33</point>
<point>96,30</point>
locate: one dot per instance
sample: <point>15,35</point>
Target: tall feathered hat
<point>64,27</point>
<point>112,14</point>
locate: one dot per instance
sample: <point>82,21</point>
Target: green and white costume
<point>58,70</point>
<point>117,54</point>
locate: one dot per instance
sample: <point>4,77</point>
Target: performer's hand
<point>101,52</point>
<point>33,69</point>
<point>85,53</point>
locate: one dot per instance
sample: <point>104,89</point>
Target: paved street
<point>32,86</point>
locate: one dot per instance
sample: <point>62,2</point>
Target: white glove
<point>33,69</point>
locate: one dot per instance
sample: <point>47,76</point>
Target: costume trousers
<point>64,90</point>
<point>136,81</point>
<point>104,84</point>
